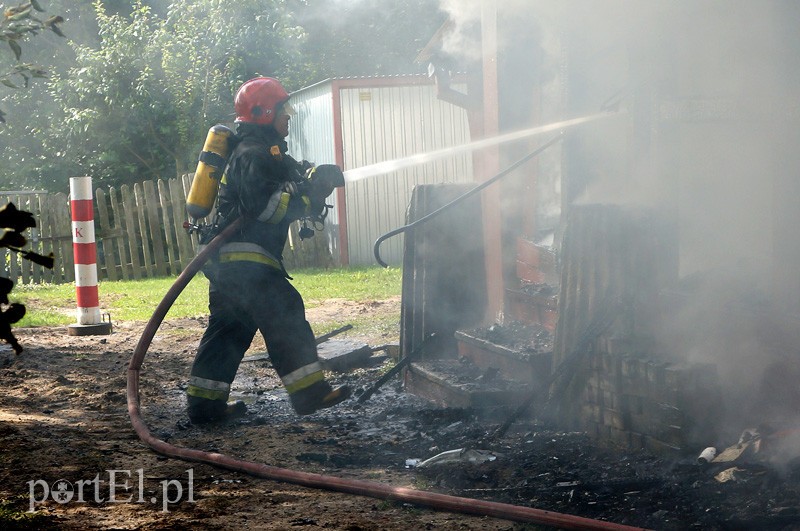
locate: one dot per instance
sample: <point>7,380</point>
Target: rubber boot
<point>204,411</point>
<point>319,395</point>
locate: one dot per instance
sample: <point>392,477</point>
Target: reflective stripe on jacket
<point>248,252</point>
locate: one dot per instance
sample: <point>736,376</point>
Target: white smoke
<point>715,84</point>
<point>461,41</point>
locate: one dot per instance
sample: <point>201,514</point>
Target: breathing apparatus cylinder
<point>210,168</point>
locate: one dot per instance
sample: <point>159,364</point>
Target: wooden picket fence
<point>138,231</point>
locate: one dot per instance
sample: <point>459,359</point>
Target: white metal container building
<point>354,122</point>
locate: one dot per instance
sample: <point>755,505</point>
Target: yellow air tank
<point>210,169</point>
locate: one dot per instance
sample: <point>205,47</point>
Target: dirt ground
<point>71,459</point>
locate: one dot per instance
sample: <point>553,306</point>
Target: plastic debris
<point>460,455</point>
<point>729,474</point>
<point>706,455</point>
<point>748,438</point>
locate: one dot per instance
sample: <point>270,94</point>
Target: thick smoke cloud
<point>709,89</point>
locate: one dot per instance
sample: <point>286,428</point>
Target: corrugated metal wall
<point>311,129</point>
<point>380,121</point>
<point>385,123</point>
<point>311,139</point>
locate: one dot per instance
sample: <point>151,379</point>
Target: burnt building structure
<point>643,272</point>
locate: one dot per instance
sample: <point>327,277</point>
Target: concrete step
<point>536,264</point>
<point>458,383</point>
<point>518,351</point>
<point>536,304</point>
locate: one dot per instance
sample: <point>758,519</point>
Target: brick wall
<point>638,403</point>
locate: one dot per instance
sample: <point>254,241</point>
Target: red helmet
<point>258,100</point>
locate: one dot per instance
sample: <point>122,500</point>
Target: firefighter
<point>250,289</point>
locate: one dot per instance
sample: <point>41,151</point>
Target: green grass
<point>356,284</point>
<point>135,300</point>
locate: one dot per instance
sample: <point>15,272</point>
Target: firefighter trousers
<point>245,297</point>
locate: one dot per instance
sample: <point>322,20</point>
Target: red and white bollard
<point>85,250</point>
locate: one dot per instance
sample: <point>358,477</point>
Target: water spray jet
<point>376,249</point>
<point>379,168</point>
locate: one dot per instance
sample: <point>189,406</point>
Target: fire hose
<point>308,479</point>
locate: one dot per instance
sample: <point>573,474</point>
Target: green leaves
<point>138,104</point>
<point>134,92</point>
<point>16,48</point>
<point>23,71</point>
<point>52,24</point>
<point>18,23</point>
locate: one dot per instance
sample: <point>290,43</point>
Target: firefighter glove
<point>324,179</point>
